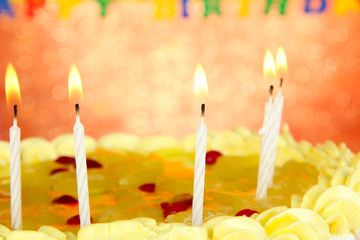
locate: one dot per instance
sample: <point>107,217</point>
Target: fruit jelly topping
<point>246,212</point>
<point>212,157</point>
<point>70,160</point>
<point>179,203</point>
<point>75,220</point>
<point>65,199</point>
<point>148,187</point>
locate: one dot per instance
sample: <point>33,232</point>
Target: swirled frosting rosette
<point>293,223</point>
<point>338,205</point>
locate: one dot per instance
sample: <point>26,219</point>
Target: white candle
<point>268,169</point>
<point>201,94</point>
<point>281,68</point>
<point>15,176</point>
<point>13,97</point>
<point>81,171</point>
<point>269,147</point>
<point>266,142</point>
<point>266,131</point>
<point>279,103</point>
<point>199,174</point>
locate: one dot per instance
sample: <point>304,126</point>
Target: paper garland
<point>167,8</point>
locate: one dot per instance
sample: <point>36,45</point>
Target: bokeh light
<point>137,70</point>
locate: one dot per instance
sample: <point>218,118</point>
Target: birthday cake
<point>142,189</point>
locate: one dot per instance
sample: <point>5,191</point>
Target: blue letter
<point>185,10</point>
<point>4,6</point>
<point>308,8</point>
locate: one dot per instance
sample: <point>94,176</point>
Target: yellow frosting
<point>119,142</point>
<point>152,144</point>
<point>3,231</point>
<point>35,150</point>
<point>300,221</point>
<point>64,145</point>
<point>338,205</point>
<point>243,226</point>
<point>4,153</point>
<point>141,229</point>
<point>28,235</point>
<point>53,232</point>
<point>229,143</point>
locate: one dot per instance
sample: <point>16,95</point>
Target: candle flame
<point>281,63</point>
<point>75,86</point>
<point>12,88</point>
<point>269,68</point>
<point>200,84</point>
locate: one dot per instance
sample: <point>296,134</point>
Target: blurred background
<point>137,61</point>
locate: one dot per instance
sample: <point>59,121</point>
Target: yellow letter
<point>65,6</point>
<point>165,8</point>
<point>244,8</point>
<point>343,6</point>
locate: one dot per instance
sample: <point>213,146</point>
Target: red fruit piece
<point>148,187</point>
<point>65,160</point>
<point>65,199</point>
<point>164,205</point>
<point>246,212</point>
<point>56,170</point>
<point>212,156</point>
<point>91,164</point>
<point>185,198</point>
<point>75,220</point>
<point>179,203</point>
<point>175,208</point>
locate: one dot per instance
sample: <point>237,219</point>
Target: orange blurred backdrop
<point>137,70</point>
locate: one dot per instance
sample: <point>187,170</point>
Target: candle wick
<point>15,114</point>
<point>15,111</point>
<point>77,109</point>
<point>281,82</point>
<point>271,90</point>
<point>202,110</point>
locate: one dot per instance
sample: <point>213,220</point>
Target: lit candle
<point>75,93</point>
<point>281,68</point>
<point>13,99</point>
<point>266,131</point>
<point>201,93</point>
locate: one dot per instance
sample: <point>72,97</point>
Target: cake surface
<point>315,194</point>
